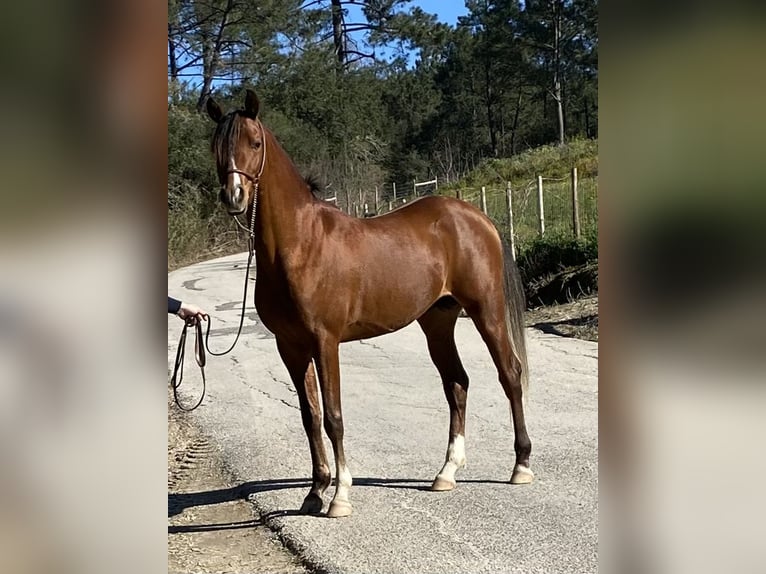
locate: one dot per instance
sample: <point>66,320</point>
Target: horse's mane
<point>315,185</point>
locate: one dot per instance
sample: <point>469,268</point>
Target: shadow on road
<point>178,502</point>
<point>555,327</point>
<point>215,527</point>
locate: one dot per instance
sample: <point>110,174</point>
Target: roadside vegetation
<point>507,92</point>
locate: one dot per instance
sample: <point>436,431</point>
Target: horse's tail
<point>515,305</point>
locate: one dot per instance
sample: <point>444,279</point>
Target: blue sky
<point>446,10</point>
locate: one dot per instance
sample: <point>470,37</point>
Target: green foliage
<point>475,109</point>
<point>549,161</point>
<point>555,252</point>
<point>197,232</point>
<point>189,135</point>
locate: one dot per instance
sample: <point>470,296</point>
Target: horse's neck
<point>283,202</point>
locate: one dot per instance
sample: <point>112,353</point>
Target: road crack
<point>271,397</point>
<point>559,349</point>
<point>245,381</point>
<point>445,531</point>
<point>378,348</point>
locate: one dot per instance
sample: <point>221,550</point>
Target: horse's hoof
<point>312,504</point>
<point>441,484</point>
<point>339,509</point>
<point>522,475</point>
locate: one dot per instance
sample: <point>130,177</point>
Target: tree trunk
<point>208,69</point>
<point>172,62</point>
<point>337,33</point>
<point>559,109</point>
<point>502,131</point>
<point>515,124</point>
<point>211,57</point>
<point>490,115</point>
<point>557,96</point>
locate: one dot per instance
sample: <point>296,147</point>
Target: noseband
<point>254,179</point>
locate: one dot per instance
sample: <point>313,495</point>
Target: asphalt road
<point>396,422</point>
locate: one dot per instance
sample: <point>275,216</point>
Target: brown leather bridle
<point>256,181</point>
<point>199,348</point>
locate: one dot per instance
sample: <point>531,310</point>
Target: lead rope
<point>251,248</point>
<point>178,371</point>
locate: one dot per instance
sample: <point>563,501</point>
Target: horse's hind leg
<point>439,327</point>
<point>490,320</point>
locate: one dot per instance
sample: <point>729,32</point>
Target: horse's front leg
<point>329,379</point>
<point>297,359</point>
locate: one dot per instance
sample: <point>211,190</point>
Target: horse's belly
<point>367,330</point>
<point>381,315</point>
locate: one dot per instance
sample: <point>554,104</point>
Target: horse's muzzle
<point>234,200</point>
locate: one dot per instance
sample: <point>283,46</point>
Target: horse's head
<point>239,149</point>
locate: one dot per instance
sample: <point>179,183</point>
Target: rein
<point>178,370</point>
<point>199,347</point>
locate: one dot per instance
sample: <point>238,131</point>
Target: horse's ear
<point>251,104</point>
<point>214,110</point>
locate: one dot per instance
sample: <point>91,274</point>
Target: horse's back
<point>457,222</point>
<point>435,211</point>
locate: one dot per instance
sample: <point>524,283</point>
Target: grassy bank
<point>554,164</point>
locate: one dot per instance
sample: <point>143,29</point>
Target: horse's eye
<point>255,145</point>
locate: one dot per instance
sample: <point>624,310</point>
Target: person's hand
<point>191,313</point>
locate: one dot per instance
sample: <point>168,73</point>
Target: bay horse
<point>324,277</point>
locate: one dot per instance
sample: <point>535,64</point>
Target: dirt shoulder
<point>211,528</point>
<point>578,319</point>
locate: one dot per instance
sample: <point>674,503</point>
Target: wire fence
<point>379,199</point>
<point>542,207</point>
<point>558,212</point>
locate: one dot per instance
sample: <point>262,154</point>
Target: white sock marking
<point>455,458</point>
<point>342,483</point>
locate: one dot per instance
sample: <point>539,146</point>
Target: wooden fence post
<point>377,201</point>
<point>540,210</point>
<point>509,200</point>
<point>484,199</point>
<point>349,207</point>
<point>394,185</point>
<point>414,188</point>
<point>436,182</point>
<point>458,193</point>
<point>575,205</point>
